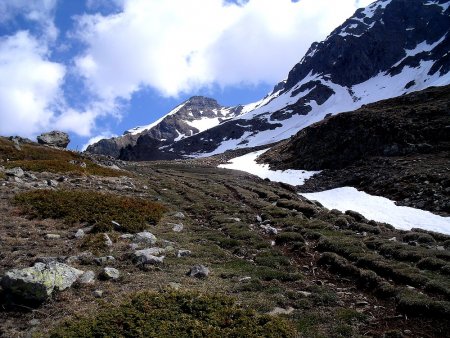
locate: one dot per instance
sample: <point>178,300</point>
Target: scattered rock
<point>145,237</point>
<point>98,293</point>
<point>52,183</point>
<point>87,278</point>
<point>270,230</point>
<point>37,283</point>
<point>305,293</point>
<point>183,253</point>
<point>109,273</point>
<point>52,236</point>
<point>108,241</point>
<point>393,239</point>
<point>104,260</point>
<point>79,234</point>
<point>259,218</point>
<point>117,226</point>
<point>177,227</point>
<point>34,322</point>
<point>86,258</point>
<point>175,286</point>
<point>127,236</point>
<point>198,271</point>
<point>149,256</point>
<point>15,172</point>
<point>280,311</point>
<point>179,215</point>
<point>54,138</point>
<point>30,176</point>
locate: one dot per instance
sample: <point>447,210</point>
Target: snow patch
<point>380,209</point>
<point>248,164</point>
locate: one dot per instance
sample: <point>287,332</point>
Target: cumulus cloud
<point>40,12</point>
<point>179,46</point>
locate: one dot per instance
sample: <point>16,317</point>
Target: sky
<point>95,68</point>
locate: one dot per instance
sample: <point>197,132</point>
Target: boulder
<point>38,282</point>
<point>149,256</point>
<point>15,172</point>
<point>54,138</point>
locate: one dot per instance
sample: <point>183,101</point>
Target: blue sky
<point>99,67</point>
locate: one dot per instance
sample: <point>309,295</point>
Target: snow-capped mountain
<point>387,49</point>
<point>187,119</point>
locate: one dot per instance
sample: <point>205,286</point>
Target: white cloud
<point>178,46</point>
<point>31,97</point>
<point>40,12</point>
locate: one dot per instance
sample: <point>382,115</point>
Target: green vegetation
<point>176,314</point>
<point>38,158</point>
<point>84,206</point>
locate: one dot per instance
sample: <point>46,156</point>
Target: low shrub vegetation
<point>176,314</point>
<point>93,208</point>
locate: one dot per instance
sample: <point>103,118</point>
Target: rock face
<point>37,283</point>
<point>54,138</point>
<point>389,48</point>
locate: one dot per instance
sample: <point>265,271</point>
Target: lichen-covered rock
<point>15,172</point>
<point>38,282</point>
<point>54,138</point>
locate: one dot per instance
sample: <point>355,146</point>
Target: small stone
<point>108,241</point>
<point>87,278</point>
<point>16,172</point>
<point>62,179</point>
<point>126,236</point>
<point>98,293</point>
<point>52,183</point>
<point>34,322</point>
<point>407,331</point>
<point>104,260</point>
<point>18,180</point>
<point>305,293</point>
<point>198,271</point>
<point>270,230</point>
<point>145,237</point>
<point>109,273</point>
<point>361,303</point>
<point>179,215</point>
<point>183,253</point>
<point>245,279</point>
<point>175,286</point>
<point>258,218</point>
<point>393,239</point>
<point>79,234</point>
<point>30,176</point>
<point>86,258</point>
<point>117,226</point>
<point>178,227</point>
<point>52,236</point>
<point>281,311</point>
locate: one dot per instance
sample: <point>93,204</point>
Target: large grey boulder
<point>54,138</point>
<point>149,256</point>
<point>38,282</point>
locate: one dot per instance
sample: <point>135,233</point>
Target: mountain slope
<point>387,49</point>
<point>397,148</point>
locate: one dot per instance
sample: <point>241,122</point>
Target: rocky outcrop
<point>37,283</point>
<point>54,138</point>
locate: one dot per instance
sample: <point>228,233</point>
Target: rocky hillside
<point>387,49</point>
<point>135,249</point>
<point>148,142</point>
<point>398,148</point>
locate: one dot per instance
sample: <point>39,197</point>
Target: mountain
<point>397,148</point>
<point>187,119</point>
<point>390,48</point>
